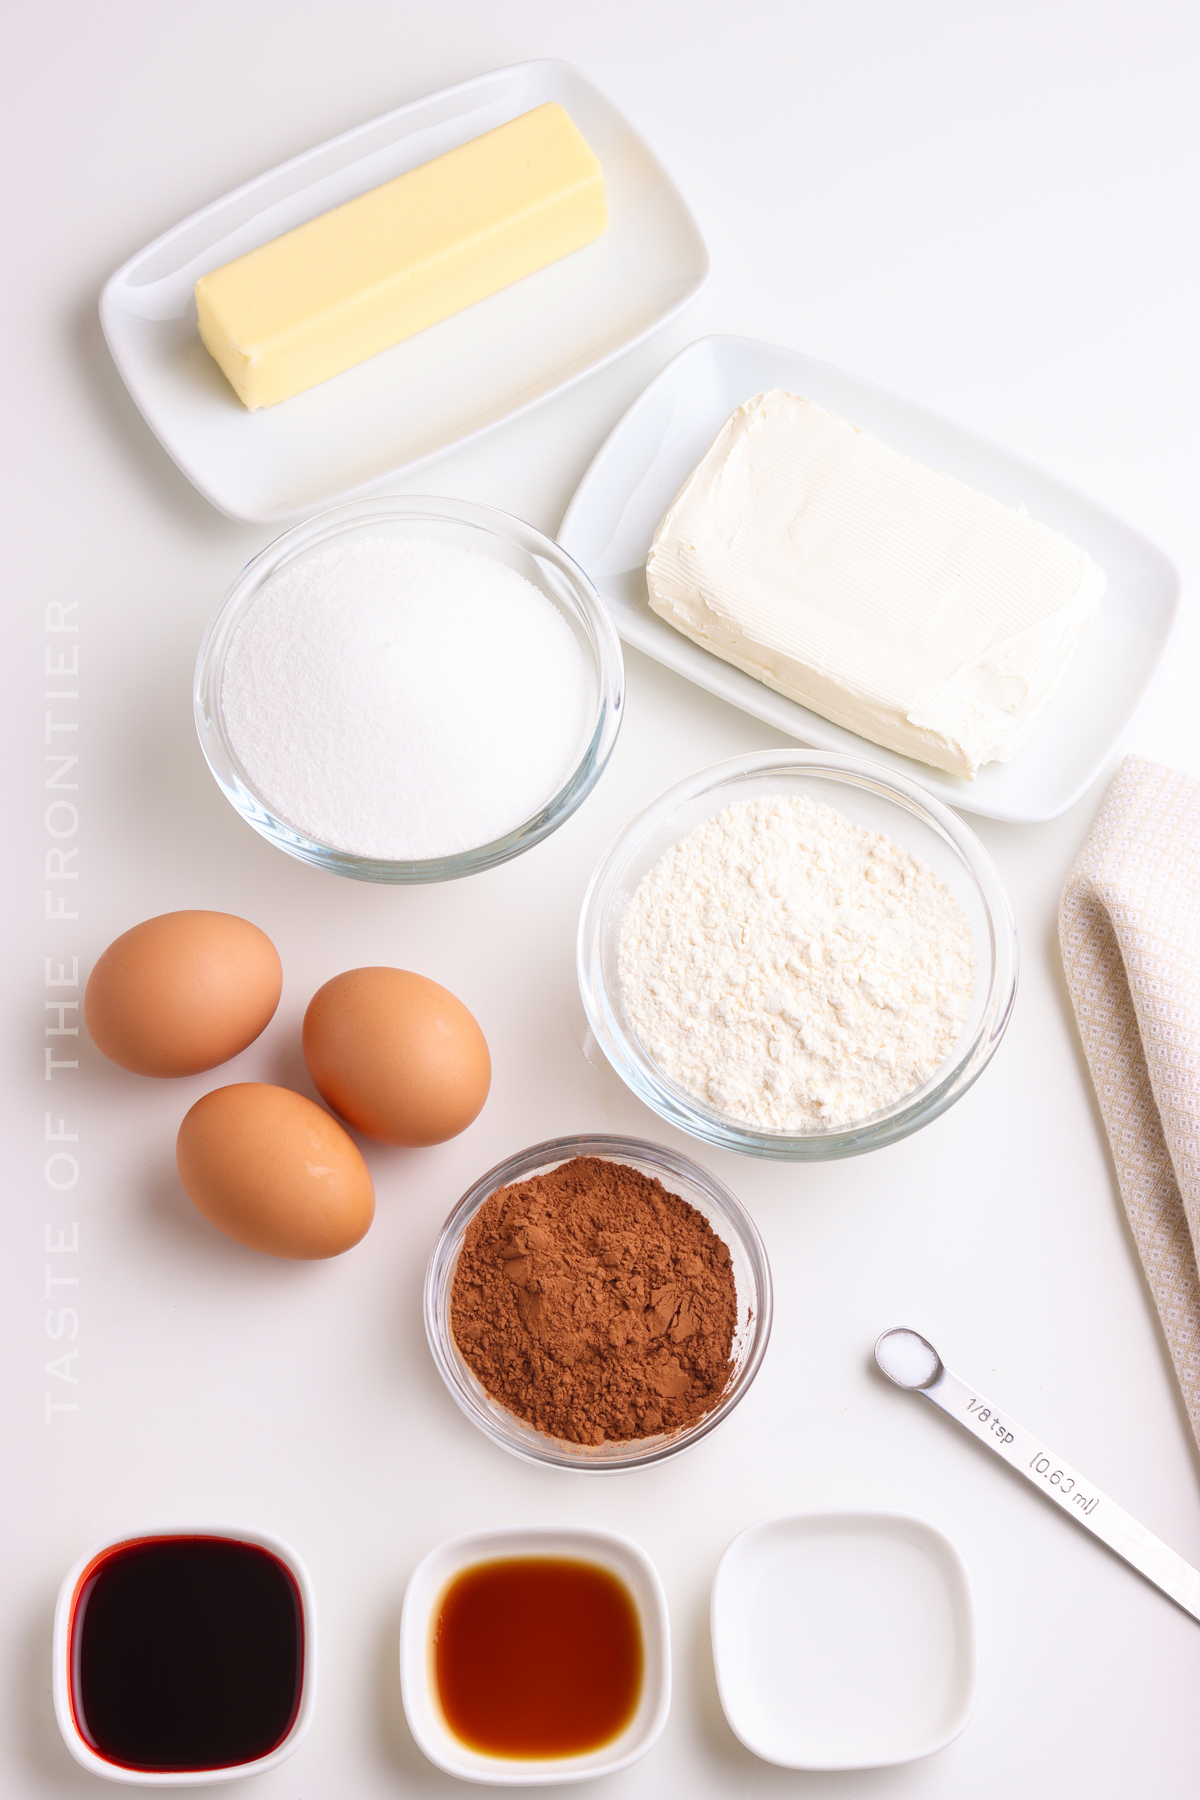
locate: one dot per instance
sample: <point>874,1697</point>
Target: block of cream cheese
<point>887,597</point>
<point>359,279</point>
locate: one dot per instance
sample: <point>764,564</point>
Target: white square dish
<point>620,1557</point>
<point>65,1659</point>
<point>447,384</point>
<point>651,452</point>
<point>844,1640</point>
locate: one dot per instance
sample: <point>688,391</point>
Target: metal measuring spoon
<point>911,1362</point>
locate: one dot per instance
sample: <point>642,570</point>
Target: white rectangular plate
<point>431,393</point>
<point>654,448</point>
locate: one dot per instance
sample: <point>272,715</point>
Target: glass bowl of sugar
<point>797,955</point>
<point>409,689</point>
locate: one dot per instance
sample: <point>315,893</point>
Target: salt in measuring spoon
<point>911,1362</point>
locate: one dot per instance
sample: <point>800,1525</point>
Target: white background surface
<point>990,209</point>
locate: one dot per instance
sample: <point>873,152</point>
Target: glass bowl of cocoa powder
<point>598,1303</point>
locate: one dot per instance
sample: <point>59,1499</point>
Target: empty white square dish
<point>844,1640</point>
<point>423,397</point>
<point>651,452</point>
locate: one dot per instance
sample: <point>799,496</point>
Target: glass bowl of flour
<point>797,955</point>
<point>409,689</point>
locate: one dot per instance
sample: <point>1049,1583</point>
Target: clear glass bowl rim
<point>592,615</point>
<point>633,1064</point>
<point>557,1453</point>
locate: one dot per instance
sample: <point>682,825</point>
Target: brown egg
<point>182,993</point>
<point>396,1055</point>
<point>273,1170</point>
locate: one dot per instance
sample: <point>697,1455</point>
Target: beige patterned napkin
<point>1129,926</point>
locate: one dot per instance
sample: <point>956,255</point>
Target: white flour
<point>793,970</point>
<point>402,698</point>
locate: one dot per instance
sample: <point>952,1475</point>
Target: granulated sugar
<point>792,970</point>
<point>402,698</point>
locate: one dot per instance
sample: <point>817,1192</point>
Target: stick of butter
<point>356,280</point>
<point>887,597</point>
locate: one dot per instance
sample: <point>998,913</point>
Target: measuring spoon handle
<point>1068,1489</point>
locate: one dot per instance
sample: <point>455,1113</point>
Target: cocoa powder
<point>594,1304</point>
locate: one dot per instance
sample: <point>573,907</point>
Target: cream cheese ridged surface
<point>890,598</point>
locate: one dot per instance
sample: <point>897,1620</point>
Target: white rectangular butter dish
<point>447,384</point>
